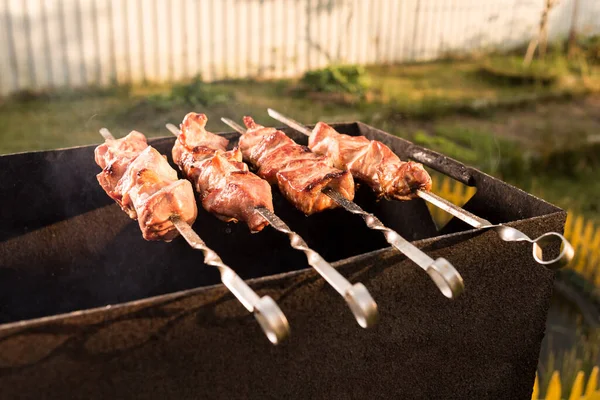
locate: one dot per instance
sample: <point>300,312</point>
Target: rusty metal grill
<point>172,331</point>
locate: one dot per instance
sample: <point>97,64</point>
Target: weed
<point>511,71</point>
<point>194,93</point>
<point>496,156</point>
<point>591,48</point>
<point>446,147</point>
<point>349,79</point>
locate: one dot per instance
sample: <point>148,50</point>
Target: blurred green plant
<point>349,79</point>
<point>590,46</point>
<point>511,70</point>
<point>571,162</point>
<point>446,146</point>
<point>194,93</point>
<point>430,107</point>
<point>496,156</point>
<point>506,158</point>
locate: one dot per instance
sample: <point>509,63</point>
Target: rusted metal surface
<point>161,327</point>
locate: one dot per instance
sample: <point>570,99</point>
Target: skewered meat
<point>226,186</point>
<point>143,183</point>
<point>114,156</point>
<point>370,161</point>
<point>300,174</point>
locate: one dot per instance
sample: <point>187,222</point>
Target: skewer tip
<point>234,125</point>
<point>106,134</point>
<point>289,122</point>
<point>173,129</point>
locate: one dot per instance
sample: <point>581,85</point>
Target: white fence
<point>75,43</point>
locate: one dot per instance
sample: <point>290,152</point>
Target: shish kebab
<point>293,168</point>
<point>145,186</point>
<point>230,191</point>
<point>371,162</point>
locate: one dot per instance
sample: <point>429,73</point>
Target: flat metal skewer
<point>357,296</point>
<point>443,274</point>
<point>268,314</point>
<point>506,233</point>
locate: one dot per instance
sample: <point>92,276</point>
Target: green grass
<point>448,80</point>
<point>482,149</point>
<point>511,70</point>
<point>582,194</point>
<point>64,121</point>
<point>54,123</point>
<point>73,118</point>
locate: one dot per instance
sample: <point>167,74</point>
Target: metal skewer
<point>357,296</point>
<point>443,274</point>
<point>272,321</point>
<point>506,233</point>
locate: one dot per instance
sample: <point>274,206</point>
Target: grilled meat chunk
<point>370,161</point>
<point>114,156</point>
<point>226,186</point>
<point>299,173</point>
<point>143,183</point>
<point>194,134</point>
